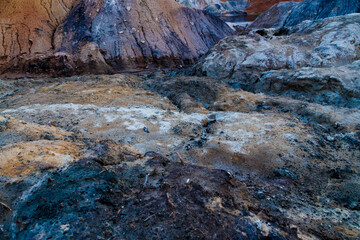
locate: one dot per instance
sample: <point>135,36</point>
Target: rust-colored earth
<point>260,6</point>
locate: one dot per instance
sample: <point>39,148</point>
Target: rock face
<point>27,27</point>
<point>141,32</point>
<point>250,6</point>
<point>227,10</point>
<point>231,10</point>
<point>260,6</point>
<point>243,61</point>
<point>199,4</point>
<point>104,36</point>
<point>292,14</point>
<point>275,17</point>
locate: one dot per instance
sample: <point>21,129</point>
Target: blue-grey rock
<point>132,34</point>
<point>314,60</point>
<point>287,14</point>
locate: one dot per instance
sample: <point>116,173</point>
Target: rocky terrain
<point>259,139</point>
<point>316,61</point>
<point>136,155</point>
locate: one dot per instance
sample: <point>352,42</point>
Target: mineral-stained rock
<point>180,196</point>
<point>27,148</point>
<point>339,86</point>
<point>275,16</point>
<point>187,90</point>
<point>262,166</point>
<point>136,33</point>
<point>260,6</point>
<point>104,36</point>
<point>220,5</point>
<point>22,159</point>
<point>223,6</point>
<point>292,14</point>
<point>27,26</point>
<point>231,10</point>
<point>241,60</point>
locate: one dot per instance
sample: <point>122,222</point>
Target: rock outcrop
<point>260,6</point>
<point>222,6</point>
<point>105,36</point>
<point>289,14</point>
<point>338,86</point>
<point>231,10</point>
<point>199,4</point>
<point>243,60</point>
<point>275,17</point>
<point>137,33</point>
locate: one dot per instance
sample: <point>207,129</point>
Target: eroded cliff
<point>63,38</point>
<point>27,27</point>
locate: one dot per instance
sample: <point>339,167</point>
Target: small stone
<point>330,139</point>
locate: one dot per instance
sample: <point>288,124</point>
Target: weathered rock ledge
<point>317,61</point>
